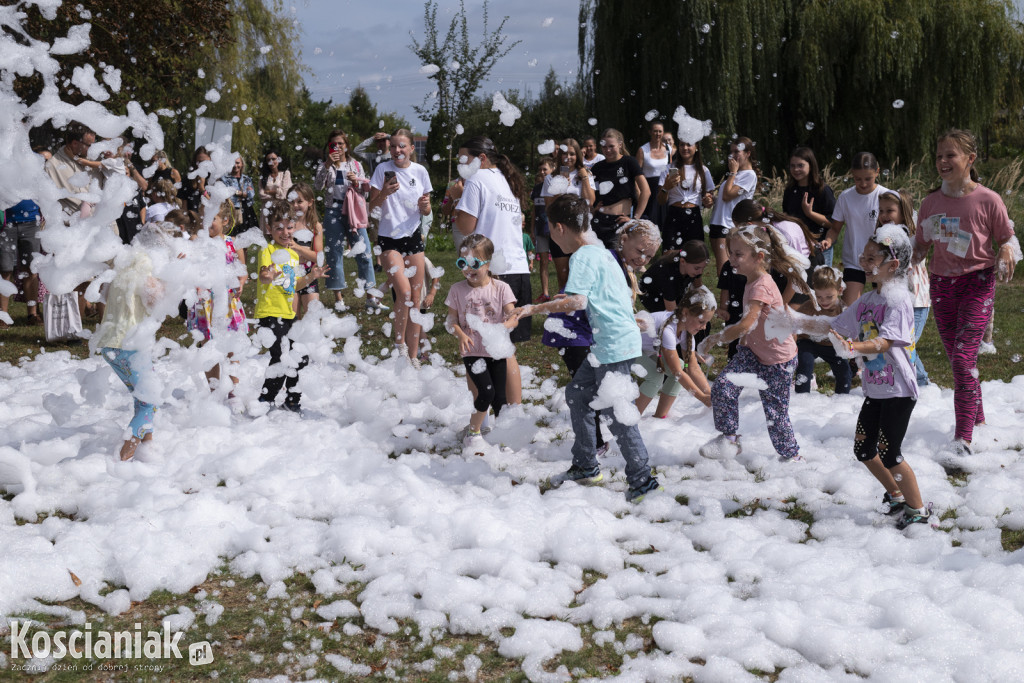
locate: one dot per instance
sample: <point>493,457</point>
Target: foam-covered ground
<point>369,485</point>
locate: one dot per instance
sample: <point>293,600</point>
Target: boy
<point>275,300</point>
<point>596,284</point>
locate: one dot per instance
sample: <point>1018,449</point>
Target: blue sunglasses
<point>473,263</point>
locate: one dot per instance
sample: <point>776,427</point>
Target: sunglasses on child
<point>472,262</point>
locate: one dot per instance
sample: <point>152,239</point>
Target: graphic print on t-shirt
<point>877,369</point>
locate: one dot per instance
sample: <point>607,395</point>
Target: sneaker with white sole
<point>912,516</point>
<point>721,447</point>
<point>893,505</point>
<point>474,440</point>
<point>961,447</point>
<point>583,476</point>
<point>796,457</point>
<point>986,348</point>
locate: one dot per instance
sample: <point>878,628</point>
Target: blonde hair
<point>769,244</point>
<point>612,133</point>
<point>311,219</point>
<point>402,132</point>
<point>902,199</point>
<point>827,277</point>
<point>477,241</point>
<point>648,233</point>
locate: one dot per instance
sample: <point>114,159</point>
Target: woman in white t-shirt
<point>857,209</point>
<point>653,157</point>
<point>571,176</point>
<point>590,154</point>
<point>739,183</point>
<point>685,187</point>
<point>400,190</point>
<point>491,205</point>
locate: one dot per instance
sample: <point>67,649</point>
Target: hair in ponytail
<point>964,141</point>
<point>695,301</point>
<point>750,211</point>
<point>777,254</point>
<point>483,146</point>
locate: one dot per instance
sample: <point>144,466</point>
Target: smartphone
<point>333,147</point>
<point>673,171</point>
<point>564,170</point>
<point>389,176</point>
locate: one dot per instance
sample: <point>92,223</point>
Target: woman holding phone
<point>577,180</point>
<point>400,190</point>
<point>334,177</point>
<point>685,187</point>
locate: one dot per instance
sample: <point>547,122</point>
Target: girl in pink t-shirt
<point>964,224</point>
<point>767,363</point>
<point>475,306</point>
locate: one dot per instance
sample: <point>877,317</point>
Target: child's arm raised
<point>315,273</point>
<point>511,319</point>
<point>560,303</point>
<point>268,273</point>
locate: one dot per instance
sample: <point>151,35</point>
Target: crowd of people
<point>631,239</point>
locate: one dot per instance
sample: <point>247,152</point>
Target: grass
<point>257,636</point>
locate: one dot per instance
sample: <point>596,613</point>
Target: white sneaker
<point>986,348</point>
<point>721,447</point>
<point>474,441</point>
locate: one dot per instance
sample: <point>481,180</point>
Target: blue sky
<point>347,42</point>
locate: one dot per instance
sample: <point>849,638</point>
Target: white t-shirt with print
<point>400,213</point>
<point>687,191</point>
<point>860,214</point>
<point>499,217</point>
<point>722,214</point>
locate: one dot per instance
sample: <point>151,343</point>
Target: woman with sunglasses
<point>621,188</point>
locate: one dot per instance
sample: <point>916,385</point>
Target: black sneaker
<point>635,495</point>
<point>892,506</point>
<point>912,516</point>
<point>583,476</point>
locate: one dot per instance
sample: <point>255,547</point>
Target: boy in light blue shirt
<point>596,284</point>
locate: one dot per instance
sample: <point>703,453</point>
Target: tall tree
<point>457,67</point>
<point>840,76</point>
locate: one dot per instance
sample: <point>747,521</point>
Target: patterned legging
<point>962,307</point>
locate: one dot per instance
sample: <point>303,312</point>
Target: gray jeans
<point>579,394</point>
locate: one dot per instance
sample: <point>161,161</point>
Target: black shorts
<point>605,226</point>
<point>718,232</point>
<point>854,275</point>
<point>556,251</point>
<point>881,426</point>
<point>522,288</point>
<point>681,225</point>
<point>406,246</point>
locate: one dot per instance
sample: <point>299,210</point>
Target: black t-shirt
<point>662,282</point>
<point>737,284</point>
<point>823,202</point>
<point>621,174</point>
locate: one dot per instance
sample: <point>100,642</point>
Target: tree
<point>839,76</point>
<point>457,67</point>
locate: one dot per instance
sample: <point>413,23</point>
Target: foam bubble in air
<point>691,130</point>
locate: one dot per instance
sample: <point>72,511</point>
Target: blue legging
<point>121,362</point>
<point>336,235</point>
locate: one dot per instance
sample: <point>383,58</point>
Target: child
<point>897,208</point>
<point>880,325</point>
<point>529,248</point>
<point>739,183</point>
<point>162,200</point>
<point>753,250</point>
<point>540,224</point>
<point>275,300</point>
<point>827,283</point>
<point>596,284</point>
<point>490,301</point>
<point>671,331</point>
<point>857,208</point>
<point>303,203</point>
<point>201,314</point>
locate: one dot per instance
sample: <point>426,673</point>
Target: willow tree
<point>840,76</point>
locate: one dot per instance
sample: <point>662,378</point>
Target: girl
<point>621,188</point>
<point>668,278</point>
<point>274,181</point>
<point>807,196</point>
<point>590,154</point>
<point>577,180</point>
<point>753,250</point>
<point>334,177</point>
<point>491,205</point>
<point>201,314</point>
<point>880,325</point>
<point>400,190</point>
<point>962,220</point>
<point>278,281</point>
<point>671,331</point>
<point>685,187</point>
<point>898,209</point>
<point>739,182</point>
<point>653,158</point>
<point>857,208</point>
<point>163,199</point>
<point>540,228</point>
<point>635,244</point>
<point>827,283</point>
<point>486,300</point>
<point>303,203</point>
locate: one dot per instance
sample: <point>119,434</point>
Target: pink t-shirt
<point>768,351</point>
<point>487,302</point>
<point>963,230</point>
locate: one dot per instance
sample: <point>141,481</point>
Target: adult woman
<point>653,157</point>
<point>807,196</point>
<point>194,187</point>
<point>590,153</point>
<point>620,185</point>
<point>571,177</point>
<point>685,188</point>
<point>164,170</point>
<point>739,183</point>
<point>336,175</point>
<point>274,182</point>
<point>962,220</point>
<point>244,191</point>
<point>401,189</point>
<point>491,205</point>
